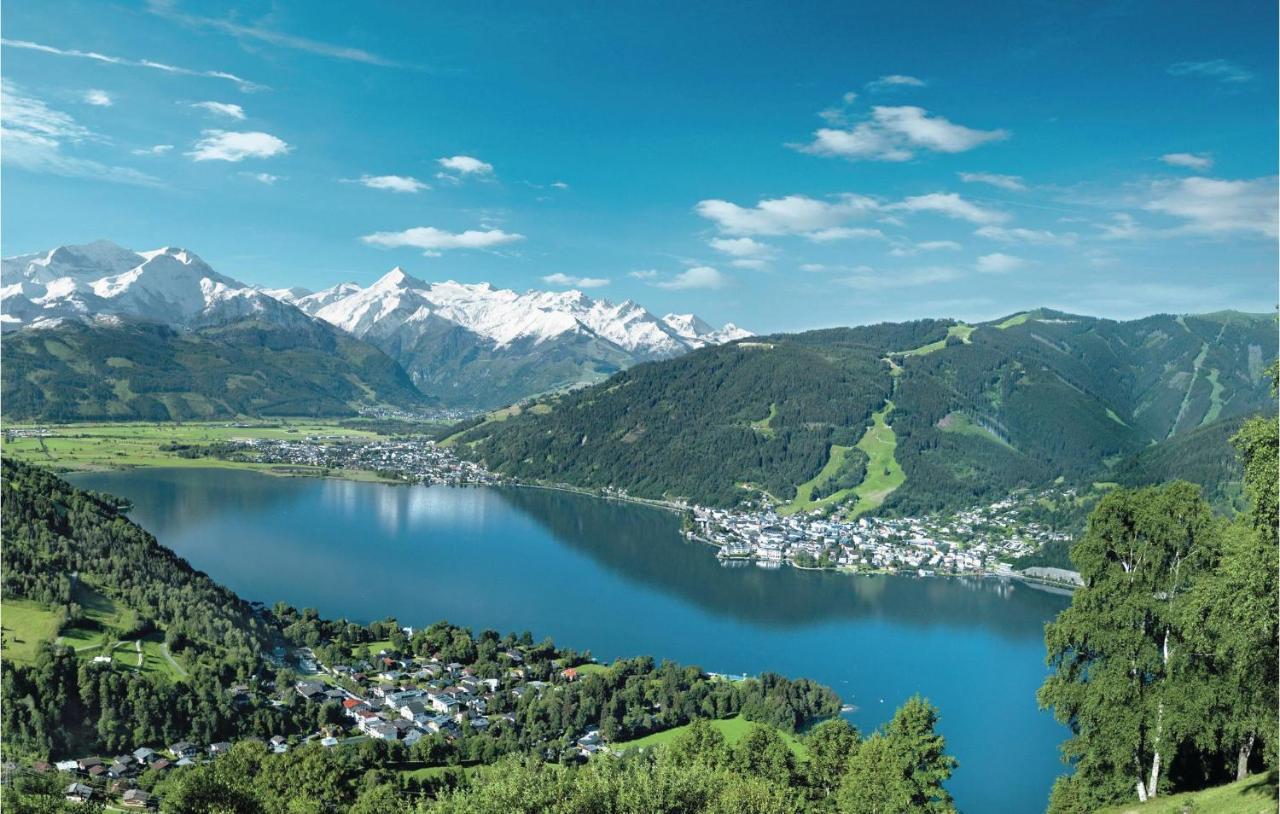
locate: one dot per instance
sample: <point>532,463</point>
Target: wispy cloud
<point>875,281</point>
<point>1219,69</point>
<point>911,249</point>
<point>222,109</point>
<point>35,137</point>
<point>1013,183</point>
<point>570,281</point>
<point>169,10</point>
<point>1037,237</point>
<point>999,263</point>
<point>897,134</point>
<point>244,84</point>
<point>698,277</point>
<point>791,215</point>
<point>455,168</point>
<point>157,149</point>
<point>893,81</point>
<point>741,247</point>
<point>643,274</point>
<point>952,206</point>
<point>1211,206</point>
<point>1193,161</point>
<point>391,183</point>
<point>262,177</point>
<point>433,241</point>
<point>223,145</point>
<point>98,98</point>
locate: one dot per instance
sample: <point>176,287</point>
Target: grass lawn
<point>803,501</point>
<point>1016,319</point>
<point>26,624</point>
<point>111,445</point>
<point>884,473</point>
<point>1253,795</point>
<point>591,668</point>
<point>961,331</point>
<point>963,424</point>
<point>765,425</point>
<point>734,729</point>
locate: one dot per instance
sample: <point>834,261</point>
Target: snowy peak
<point>169,285</point>
<point>402,305</point>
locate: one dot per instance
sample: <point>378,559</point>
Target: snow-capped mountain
<point>399,303</point>
<point>473,345</point>
<point>480,346</point>
<point>170,286</point>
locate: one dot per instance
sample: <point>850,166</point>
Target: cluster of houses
<point>973,541</point>
<point>406,699</point>
<point>416,460</point>
<point>96,778</point>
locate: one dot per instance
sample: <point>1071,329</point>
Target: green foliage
<point>141,371</point>
<point>1164,664</point>
<point>1053,395</point>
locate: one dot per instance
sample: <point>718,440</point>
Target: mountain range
<point>910,417</point>
<point>400,342</point>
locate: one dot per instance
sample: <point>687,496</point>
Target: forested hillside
<point>144,371</point>
<point>974,410</point>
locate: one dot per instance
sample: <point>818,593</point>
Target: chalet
<point>136,798</point>
<point>97,770</point>
<point>79,793</point>
<point>311,690</point>
<point>278,744</point>
<point>145,755</point>
<point>383,731</point>
<point>219,748</point>
<point>412,736</point>
<point>87,763</point>
<point>67,766</point>
<point>161,765</point>
<point>118,769</point>
<point>183,749</point>
<point>569,674</point>
<point>329,742</point>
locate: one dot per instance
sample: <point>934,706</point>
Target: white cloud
<point>222,109</point>
<point>645,274</point>
<point>432,240</point>
<point>1219,69</point>
<point>895,133</point>
<point>696,277</point>
<point>869,280</point>
<point>98,98</point>
<point>1038,237</point>
<point>1194,161</point>
<point>740,246</point>
<point>392,183</point>
<point>133,63</point>
<point>223,145</point>
<point>559,185</point>
<point>465,165</point>
<point>167,9</point>
<point>262,177</point>
<point>844,233</point>
<point>895,80</point>
<point>792,215</point>
<point>911,249</point>
<point>559,279</point>
<point>34,137</point>
<point>1013,183</point>
<point>1122,227</point>
<point>1211,206</point>
<point>755,264</point>
<point>953,206</point>
<point>999,263</point>
<point>158,149</point>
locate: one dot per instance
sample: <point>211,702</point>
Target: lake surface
<point>619,580</point>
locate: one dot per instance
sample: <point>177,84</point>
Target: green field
<point>1016,319</point>
<point>1215,398</point>
<point>591,668</point>
<point>1253,795</point>
<point>884,473</point>
<point>803,501</point>
<point>119,445</point>
<point>963,424</point>
<point>963,332</point>
<point>26,624</point>
<point>764,425</point>
<point>734,729</point>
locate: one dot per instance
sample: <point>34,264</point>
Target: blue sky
<point>782,167</point>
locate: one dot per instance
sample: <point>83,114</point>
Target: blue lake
<point>618,579</point>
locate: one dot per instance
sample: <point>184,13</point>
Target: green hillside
<point>978,410</point>
<point>129,371</point>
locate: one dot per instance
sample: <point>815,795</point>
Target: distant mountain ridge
<point>480,346</point>
<point>974,410</point>
<point>466,345</point>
